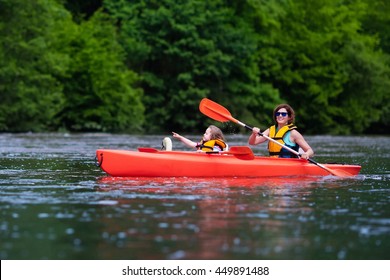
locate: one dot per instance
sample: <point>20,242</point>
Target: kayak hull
<point>154,163</point>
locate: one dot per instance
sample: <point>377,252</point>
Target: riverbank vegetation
<point>143,66</point>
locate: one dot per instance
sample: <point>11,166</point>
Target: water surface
<point>55,203</point>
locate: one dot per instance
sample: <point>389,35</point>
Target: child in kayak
<point>284,131</point>
<point>213,140</point>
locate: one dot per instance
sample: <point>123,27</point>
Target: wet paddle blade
<point>147,150</point>
<point>340,173</point>
<point>241,152</point>
<point>215,111</point>
<point>335,172</point>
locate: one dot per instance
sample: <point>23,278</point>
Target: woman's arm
<point>296,137</point>
<point>255,138</point>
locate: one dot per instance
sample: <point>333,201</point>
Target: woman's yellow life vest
<point>209,145</point>
<point>276,150</point>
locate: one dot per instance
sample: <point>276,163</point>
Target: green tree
<point>322,64</point>
<point>100,92</point>
<point>187,50</point>
<point>30,63</point>
<point>88,71</point>
<point>376,22</point>
<point>56,74</point>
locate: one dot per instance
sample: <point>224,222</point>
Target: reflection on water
<point>56,204</point>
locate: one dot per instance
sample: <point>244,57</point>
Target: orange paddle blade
<point>215,111</point>
<point>241,152</point>
<point>147,150</point>
<point>339,172</point>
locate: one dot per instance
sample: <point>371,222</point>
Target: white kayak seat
<point>166,144</point>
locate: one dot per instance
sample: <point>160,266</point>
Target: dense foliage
<point>144,65</point>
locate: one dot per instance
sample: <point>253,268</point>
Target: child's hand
<point>174,134</point>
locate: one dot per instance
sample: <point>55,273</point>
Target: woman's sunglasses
<point>283,114</point>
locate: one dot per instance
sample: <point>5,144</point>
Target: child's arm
<point>185,141</point>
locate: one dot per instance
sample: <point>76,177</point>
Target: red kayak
<point>238,162</point>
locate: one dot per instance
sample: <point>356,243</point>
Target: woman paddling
<point>213,140</point>
<point>284,131</point>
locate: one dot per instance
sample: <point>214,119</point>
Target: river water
<point>55,203</point>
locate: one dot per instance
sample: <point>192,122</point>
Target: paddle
<point>240,152</point>
<point>220,113</point>
<point>147,150</point>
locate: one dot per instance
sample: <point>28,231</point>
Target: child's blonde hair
<point>216,133</point>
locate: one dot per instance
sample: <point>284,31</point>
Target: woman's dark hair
<point>290,111</point>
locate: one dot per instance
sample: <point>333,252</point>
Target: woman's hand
<point>256,130</point>
<point>305,156</point>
